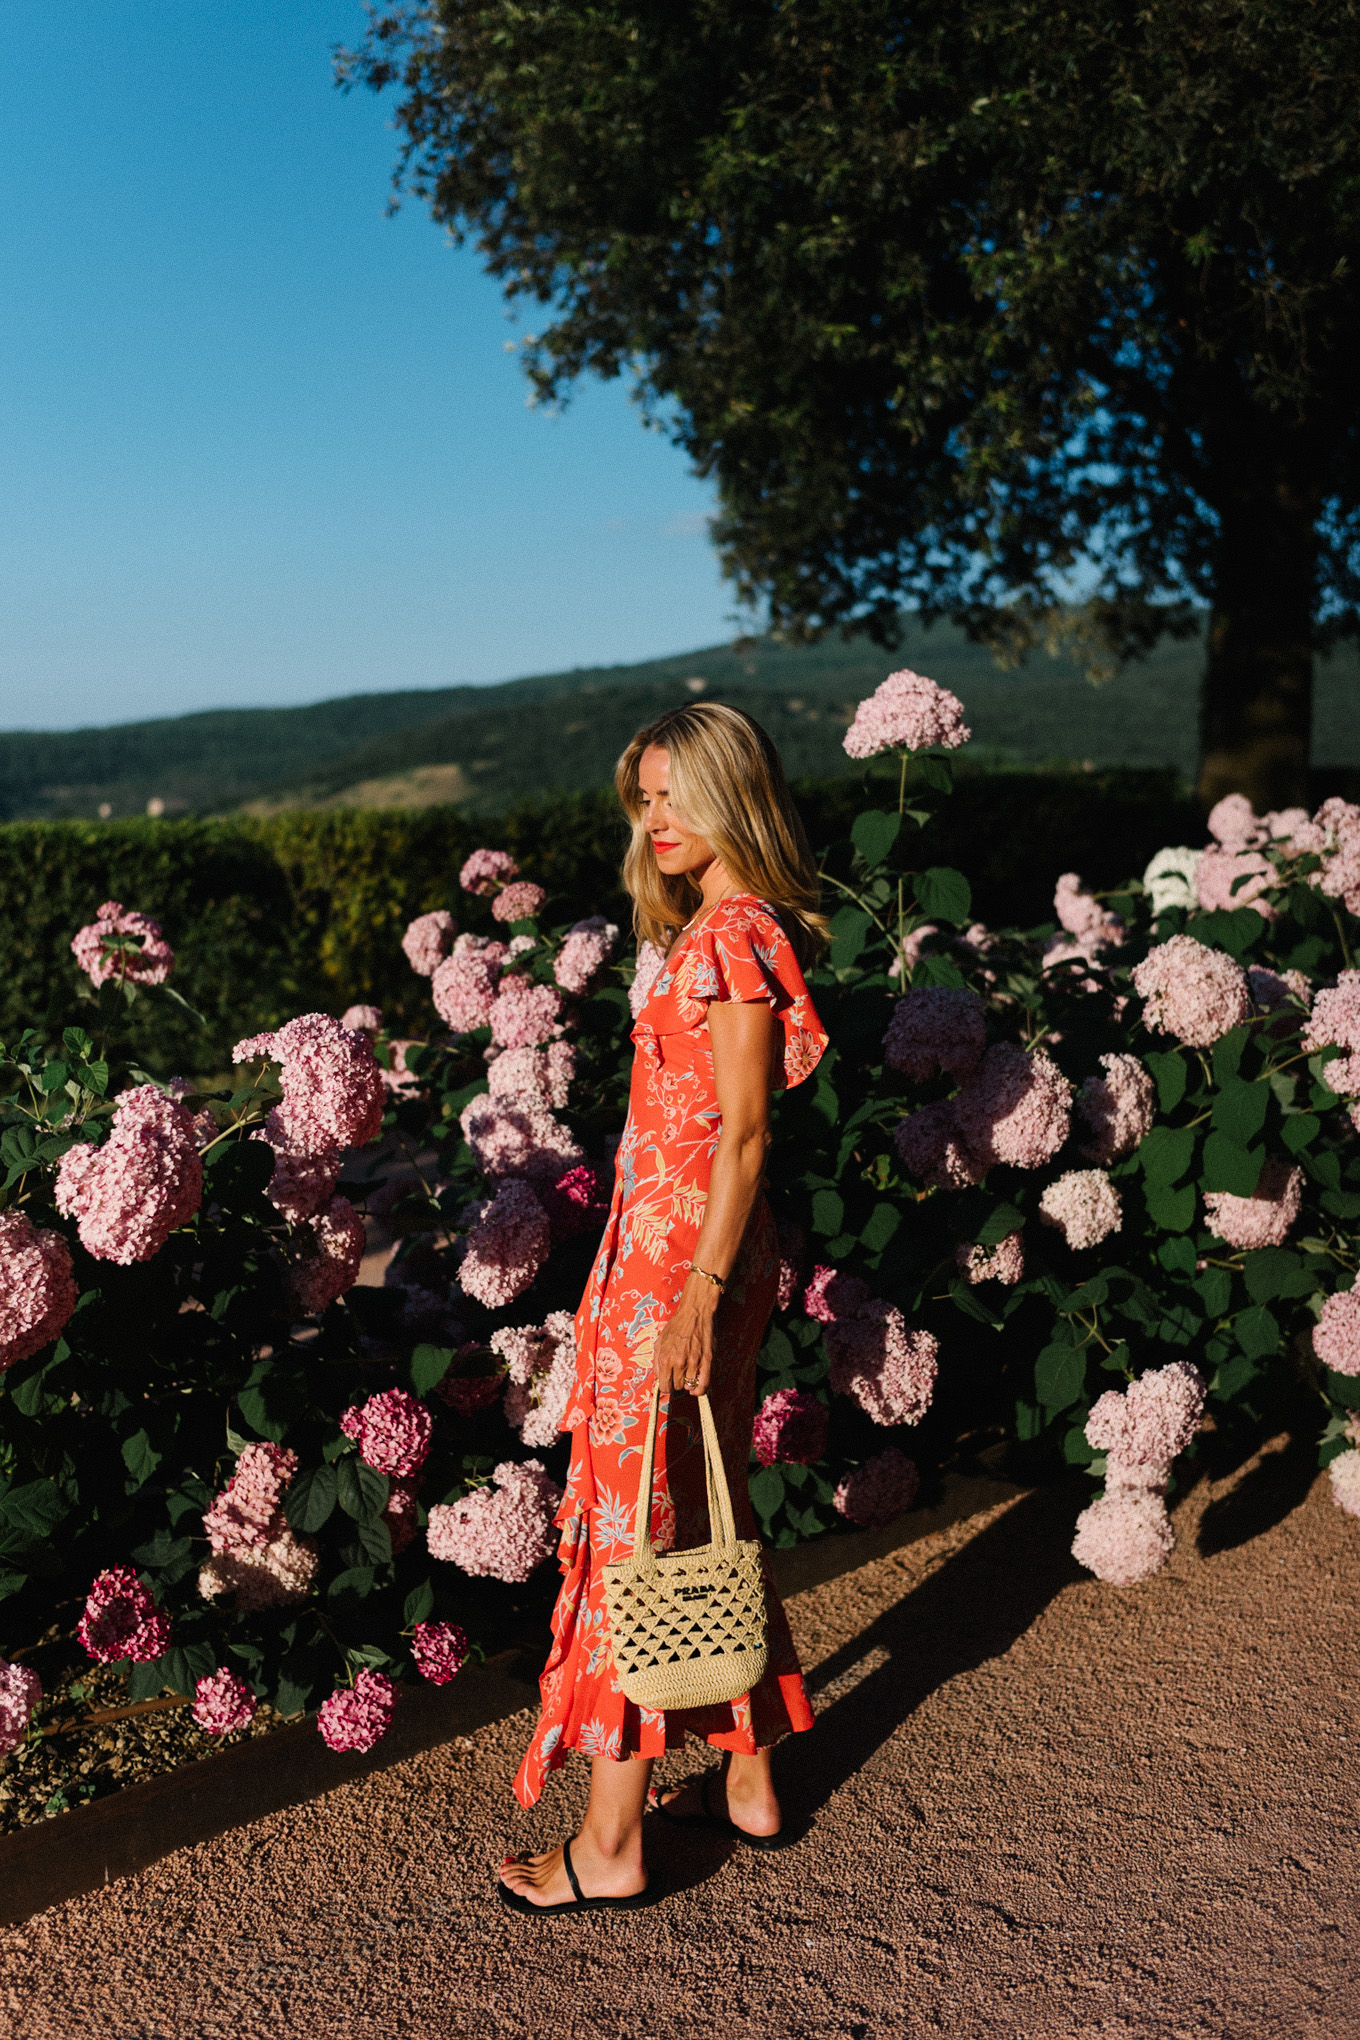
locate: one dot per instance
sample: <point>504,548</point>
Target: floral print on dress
<point>740,953</point>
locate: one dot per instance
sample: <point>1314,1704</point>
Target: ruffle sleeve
<point>740,955</point>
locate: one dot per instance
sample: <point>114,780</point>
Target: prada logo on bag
<point>692,1593</point>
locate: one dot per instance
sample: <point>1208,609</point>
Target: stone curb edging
<point>58,1859</point>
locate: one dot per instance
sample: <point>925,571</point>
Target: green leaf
<point>183,1666</point>
<point>1233,1375</point>
<point>767,1492</point>
<point>356,1584</point>
<point>140,1457</point>
<point>311,1499</point>
<point>361,1492</point>
<point>828,1212</point>
<point>882,1224</point>
<point>376,1539</point>
<point>1325,1169</point>
<point>1235,931</point>
<point>1000,1223</point>
<point>777,1353</point>
<point>1029,1421</point>
<point>429,1365</point>
<point>943,894</point>
<point>971,1304</point>
<point>1059,1377</point>
<point>874,834</point>
<point>1240,1111</point>
<point>419,1604</point>
<point>1344,1389</point>
<point>1077,1448</point>
<point>1214,1290</point>
<point>238,1173</point>
<point>1258,1333</point>
<point>1227,1055</point>
<point>1274,1271</point>
<point>36,1507</point>
<point>849,933</point>
<point>1300,1130</point>
<point>1341,1203</point>
<point>1177,1256</point>
<point>54,1077</point>
<point>1172,1210</point>
<point>1166,1153</point>
<point>1230,1167</point>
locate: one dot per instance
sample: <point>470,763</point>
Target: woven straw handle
<point>722,1523</point>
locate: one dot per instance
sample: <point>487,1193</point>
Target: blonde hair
<point>727,782</point>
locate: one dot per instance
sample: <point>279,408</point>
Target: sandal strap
<point>571,1874</point>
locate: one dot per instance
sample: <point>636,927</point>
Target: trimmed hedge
<point>305,911</point>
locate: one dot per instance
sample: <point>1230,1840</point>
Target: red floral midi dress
<point>660,1187</point>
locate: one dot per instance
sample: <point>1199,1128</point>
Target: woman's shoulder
<point>746,914</point>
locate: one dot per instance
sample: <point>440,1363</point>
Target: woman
<point>725,906</point>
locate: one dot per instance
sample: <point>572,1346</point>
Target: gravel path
<point>1035,1807</point>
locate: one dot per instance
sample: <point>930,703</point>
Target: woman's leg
<point>607,1853</point>
<point>744,1791</point>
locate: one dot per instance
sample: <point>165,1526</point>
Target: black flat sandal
<point>719,1822</point>
<point>517,1902</point>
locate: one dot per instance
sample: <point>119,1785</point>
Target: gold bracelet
<point>719,1281</point>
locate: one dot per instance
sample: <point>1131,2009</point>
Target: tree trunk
<point>1257,708</point>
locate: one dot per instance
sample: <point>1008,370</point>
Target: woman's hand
<point>684,1352</point>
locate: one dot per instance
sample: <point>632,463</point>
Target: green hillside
<point>486,747</point>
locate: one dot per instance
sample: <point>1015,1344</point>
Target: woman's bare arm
<point>745,1040</point>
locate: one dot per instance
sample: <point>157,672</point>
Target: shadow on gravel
<point>971,1610</point>
<point>1261,1499</point>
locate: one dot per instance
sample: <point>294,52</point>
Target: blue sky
<point>261,443</point>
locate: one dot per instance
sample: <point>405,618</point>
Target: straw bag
<point>688,1627</point>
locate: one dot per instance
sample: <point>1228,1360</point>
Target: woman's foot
<point>741,1791</point>
<point>543,1880</point>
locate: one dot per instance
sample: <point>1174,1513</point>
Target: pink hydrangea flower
<point>355,1717</point>
<point>522,902</point>
<point>792,1247</point>
<point>362,1019</point>
<point>586,950</point>
<point>330,1255</point>
<point>122,1621</point>
<point>651,961</point>
<point>525,1015</point>
<point>223,1703</point>
<point>464,990</point>
<point>877,1493</point>
<point>146,1181</point>
<point>398,1080</point>
<point>517,1137</point>
<point>486,871</point>
<point>20,1697</point>
<point>541,1075</point>
<point>391,1430</point>
<point>1336,1335</point>
<point>936,1027</point>
<point>1084,1205</point>
<point>1124,1537</point>
<point>249,1510</point>
<point>541,1365</point>
<point>37,1287</point>
<point>931,1147</point>
<point>833,1294</point>
<point>1144,1427</point>
<point>1264,1218</point>
<point>1274,991</point>
<point>1234,823</point>
<point>1335,1023</point>
<point>1338,823</point>
<point>332,1085</point>
<point>466,1394</point>
<point>1016,1110</point>
<point>274,1575</point>
<point>506,1247</point>
<point>1005,1262</point>
<point>440,1650</point>
<point>790,1428</point>
<point>103,959</point>
<point>428,941</point>
<point>1344,1472</point>
<point>576,1202</point>
<point>503,1532</point>
<point>1092,926</point>
<point>1228,879</point>
<point>1194,993</point>
<point>1118,1109</point>
<point>400,1514</point>
<point>889,1370</point>
<point>304,1177</point>
<point>906,713</point>
<point>912,947</point>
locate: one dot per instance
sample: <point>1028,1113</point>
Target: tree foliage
<point>949,299</point>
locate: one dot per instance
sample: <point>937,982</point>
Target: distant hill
<point>484,747</point>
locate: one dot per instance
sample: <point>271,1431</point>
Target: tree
<point>953,301</point>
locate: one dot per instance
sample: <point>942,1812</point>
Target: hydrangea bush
<point>1090,1185</point>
